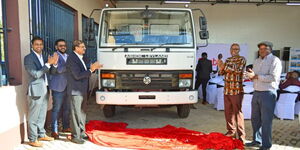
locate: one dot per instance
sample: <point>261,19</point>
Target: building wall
<point>245,23</point>
<point>85,8</point>
<point>13,99</point>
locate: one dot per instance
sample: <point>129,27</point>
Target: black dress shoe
<point>77,141</point>
<point>253,144</point>
<point>85,137</point>
<point>262,148</point>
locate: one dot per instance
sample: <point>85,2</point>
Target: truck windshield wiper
<point>161,45</point>
<point>122,46</point>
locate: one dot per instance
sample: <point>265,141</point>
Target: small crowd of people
<point>265,74</point>
<point>67,76</point>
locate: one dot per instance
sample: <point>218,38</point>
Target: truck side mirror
<point>204,34</point>
<point>90,29</point>
<point>91,25</point>
<point>202,23</point>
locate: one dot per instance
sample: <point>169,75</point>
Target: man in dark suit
<point>37,67</point>
<point>58,86</point>
<point>203,69</point>
<point>78,82</point>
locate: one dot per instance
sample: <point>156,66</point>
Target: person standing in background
<point>203,69</point>
<point>220,56</point>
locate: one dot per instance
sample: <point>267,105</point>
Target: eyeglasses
<point>236,49</point>
<point>62,45</point>
<point>263,48</point>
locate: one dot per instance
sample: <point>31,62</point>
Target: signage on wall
<point>294,64</point>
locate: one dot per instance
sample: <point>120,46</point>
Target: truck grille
<point>135,80</point>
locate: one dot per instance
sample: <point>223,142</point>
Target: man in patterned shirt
<point>233,92</point>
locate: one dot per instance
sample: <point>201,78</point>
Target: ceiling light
<point>177,2</point>
<point>293,4</point>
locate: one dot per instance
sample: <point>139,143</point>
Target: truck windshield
<point>155,28</point>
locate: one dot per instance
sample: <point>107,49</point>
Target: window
<point>154,28</point>
<point>10,49</point>
<point>3,48</point>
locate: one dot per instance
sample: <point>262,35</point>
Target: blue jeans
<point>60,102</point>
<point>263,105</point>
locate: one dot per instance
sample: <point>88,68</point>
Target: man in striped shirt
<point>233,92</point>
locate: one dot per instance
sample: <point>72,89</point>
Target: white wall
<point>13,103</point>
<point>245,23</point>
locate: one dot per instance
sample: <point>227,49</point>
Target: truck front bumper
<point>147,98</point>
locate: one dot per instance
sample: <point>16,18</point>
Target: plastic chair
<point>285,106</point>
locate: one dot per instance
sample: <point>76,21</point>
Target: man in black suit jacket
<point>78,76</point>
<point>203,69</point>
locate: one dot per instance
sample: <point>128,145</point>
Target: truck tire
<point>183,110</point>
<point>109,110</point>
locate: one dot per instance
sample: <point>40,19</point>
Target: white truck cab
<point>148,57</point>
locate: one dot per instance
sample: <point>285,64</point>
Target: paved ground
<point>286,133</point>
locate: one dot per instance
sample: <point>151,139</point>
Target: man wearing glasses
<point>266,77</point>
<point>233,92</point>
<point>79,72</point>
<point>58,85</point>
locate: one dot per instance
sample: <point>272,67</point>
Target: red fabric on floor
<point>167,137</point>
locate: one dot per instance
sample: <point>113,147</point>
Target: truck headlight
<point>185,83</point>
<point>108,83</point>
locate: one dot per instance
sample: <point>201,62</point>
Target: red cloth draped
<point>167,137</point>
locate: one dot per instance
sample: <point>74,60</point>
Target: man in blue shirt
<point>58,85</point>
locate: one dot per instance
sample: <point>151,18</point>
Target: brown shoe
<point>69,137</point>
<point>230,134</point>
<point>204,102</point>
<point>46,138</point>
<point>36,144</point>
<point>67,130</point>
<point>55,135</point>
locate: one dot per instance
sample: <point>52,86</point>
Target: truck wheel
<point>183,110</point>
<point>109,111</point>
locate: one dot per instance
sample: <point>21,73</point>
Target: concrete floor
<point>286,133</point>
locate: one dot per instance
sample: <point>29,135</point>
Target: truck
<point>148,57</point>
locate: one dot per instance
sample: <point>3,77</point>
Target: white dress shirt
<point>268,71</point>
<point>41,60</point>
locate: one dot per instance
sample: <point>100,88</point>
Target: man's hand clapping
<point>52,60</point>
<point>95,66</point>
